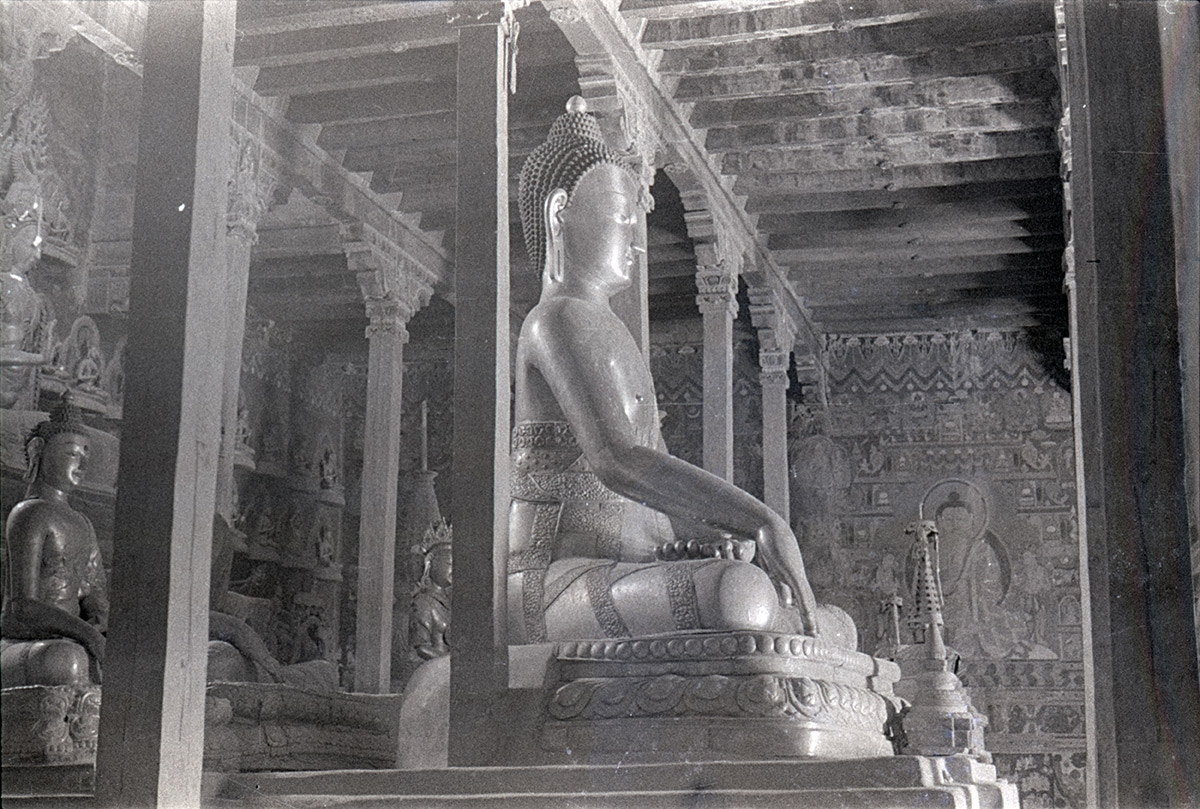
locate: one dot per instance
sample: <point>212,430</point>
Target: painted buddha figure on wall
<point>610,535</point>
<point>55,592</point>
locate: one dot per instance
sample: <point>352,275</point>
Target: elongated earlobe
<point>34,451</point>
<point>556,203</point>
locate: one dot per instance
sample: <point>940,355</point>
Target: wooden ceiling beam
<point>938,322</point>
<point>906,253</point>
<point>873,296</point>
<point>672,9</point>
<point>976,309</point>
<point>303,45</point>
<point>870,239</point>
<point>1020,191</point>
<point>418,64</point>
<point>881,123</point>
<point>983,23</point>
<point>261,18</point>
<point>851,267</point>
<point>906,219</point>
<point>796,19</point>
<point>1005,56</point>
<point>901,150</point>
<point>421,129</point>
<point>826,288</point>
<point>948,91</point>
<point>885,178</point>
<point>368,103</point>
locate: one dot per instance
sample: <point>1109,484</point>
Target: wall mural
<point>974,431</point>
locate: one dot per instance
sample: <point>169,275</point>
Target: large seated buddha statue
<point>610,535</point>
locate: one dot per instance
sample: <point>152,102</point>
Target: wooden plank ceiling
<point>898,156</point>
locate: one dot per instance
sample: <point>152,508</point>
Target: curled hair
<point>574,147</point>
<point>64,418</point>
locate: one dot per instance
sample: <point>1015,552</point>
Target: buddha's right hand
<point>780,555</point>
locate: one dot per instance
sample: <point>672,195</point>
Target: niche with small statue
<point>289,496</point>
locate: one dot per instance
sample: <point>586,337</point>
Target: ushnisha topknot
<point>64,418</point>
<point>574,147</point>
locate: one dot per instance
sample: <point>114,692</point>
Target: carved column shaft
<point>386,336</point>
<point>249,190</point>
<point>717,300</point>
<point>776,335</point>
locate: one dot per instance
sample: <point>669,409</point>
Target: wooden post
<point>482,392</point>
<point>151,741</point>
<point>774,378</point>
<point>1139,634</point>
<point>717,285</point>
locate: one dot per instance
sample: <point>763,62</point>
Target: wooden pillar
<point>246,203</point>
<point>717,286</point>
<point>386,336</point>
<point>482,392</point>
<point>152,723</point>
<point>1140,655</point>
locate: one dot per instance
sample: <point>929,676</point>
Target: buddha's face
<point>64,460</point>
<point>599,228</point>
<point>25,242</point>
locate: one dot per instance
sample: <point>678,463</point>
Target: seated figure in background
<point>55,593</point>
<point>236,652</point>
<point>26,325</point>
<point>429,626</point>
<point>609,534</point>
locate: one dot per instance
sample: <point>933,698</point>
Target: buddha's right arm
<point>26,619</point>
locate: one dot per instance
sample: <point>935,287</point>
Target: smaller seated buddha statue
<point>55,608</point>
<point>609,534</point>
<point>429,629</point>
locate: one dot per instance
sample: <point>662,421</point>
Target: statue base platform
<point>49,725</point>
<point>269,726</point>
<point>701,696</point>
<point>896,782</point>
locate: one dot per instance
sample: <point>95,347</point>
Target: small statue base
<point>49,725</point>
<point>941,720</point>
<point>718,696</point>
<point>269,726</point>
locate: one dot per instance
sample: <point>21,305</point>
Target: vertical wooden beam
<point>152,723</point>
<point>482,392</point>
<point>1140,656</point>
<point>717,286</point>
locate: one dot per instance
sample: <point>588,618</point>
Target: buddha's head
<point>57,449</point>
<point>23,224</point>
<point>580,203</point>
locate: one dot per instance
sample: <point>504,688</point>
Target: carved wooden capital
<point>773,368</point>
<point>252,185</point>
<point>387,317</point>
<point>385,272</point>
<point>717,289</point>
